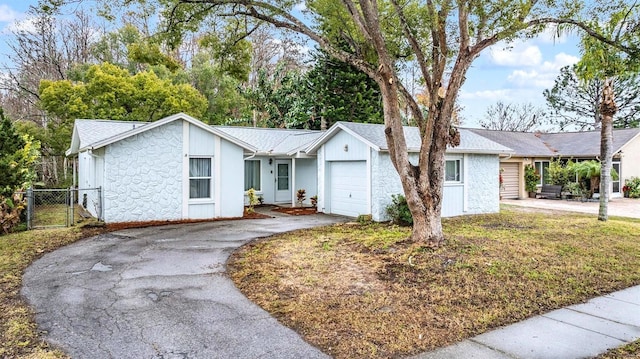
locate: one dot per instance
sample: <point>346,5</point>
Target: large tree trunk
<point>422,183</point>
<point>607,109</point>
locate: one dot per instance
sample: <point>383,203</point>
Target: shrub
<point>10,210</point>
<point>398,210</point>
<point>253,200</point>
<point>301,195</point>
<point>560,174</point>
<point>633,185</point>
<point>531,178</point>
<point>574,188</point>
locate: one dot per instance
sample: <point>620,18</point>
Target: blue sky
<point>517,75</point>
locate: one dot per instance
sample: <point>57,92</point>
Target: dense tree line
<point>65,67</point>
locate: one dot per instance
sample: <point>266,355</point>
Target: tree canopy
<point>575,102</point>
<point>18,154</point>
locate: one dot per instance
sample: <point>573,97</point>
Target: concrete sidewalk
<point>621,207</point>
<point>579,331</point>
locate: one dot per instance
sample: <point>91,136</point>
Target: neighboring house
<point>538,149</point>
<point>356,176</point>
<point>180,168</point>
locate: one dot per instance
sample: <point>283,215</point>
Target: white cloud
<point>486,95</point>
<point>517,55</point>
<point>7,14</point>
<point>26,25</point>
<point>543,75</point>
<point>301,6</point>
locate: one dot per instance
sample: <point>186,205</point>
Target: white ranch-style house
<point>180,168</point>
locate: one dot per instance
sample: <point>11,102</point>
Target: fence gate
<point>47,208</point>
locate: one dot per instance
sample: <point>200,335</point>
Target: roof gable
<point>373,136</point>
<point>94,134</point>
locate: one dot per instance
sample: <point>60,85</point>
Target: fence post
<point>70,212</point>
<point>29,207</point>
<point>100,204</point>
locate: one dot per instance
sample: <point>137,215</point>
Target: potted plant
<point>626,189</point>
<point>531,180</point>
<point>301,196</point>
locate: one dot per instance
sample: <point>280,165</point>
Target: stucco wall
<point>480,177</point>
<point>630,161</point>
<point>385,182</point>
<point>482,183</point>
<point>143,176</point>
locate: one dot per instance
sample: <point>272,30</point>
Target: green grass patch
<point>364,291</point>
<point>18,332</point>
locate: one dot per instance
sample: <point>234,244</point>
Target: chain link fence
<point>63,207</point>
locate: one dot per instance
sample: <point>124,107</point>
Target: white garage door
<point>510,180</point>
<point>349,188</point>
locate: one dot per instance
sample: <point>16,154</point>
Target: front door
<point>283,181</point>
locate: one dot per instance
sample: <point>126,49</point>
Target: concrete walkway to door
<point>622,207</point>
<point>160,292</point>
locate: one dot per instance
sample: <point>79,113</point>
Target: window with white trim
<point>452,171</point>
<point>252,175</point>
<point>199,178</point>
<point>542,168</point>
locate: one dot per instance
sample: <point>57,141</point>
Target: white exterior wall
<point>334,150</point>
<point>143,176</point>
<point>228,181</point>
<point>482,184</point>
<point>385,182</point>
<point>201,144</point>
<point>630,160</point>
<point>321,178</point>
<point>306,177</point>
<point>88,170</point>
<point>479,189</point>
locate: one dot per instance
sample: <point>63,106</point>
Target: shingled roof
<point>585,144</point>
<point>373,135</point>
<point>524,144</point>
<point>565,144</point>
<point>273,140</point>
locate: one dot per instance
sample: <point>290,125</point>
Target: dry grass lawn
<point>364,291</point>
<point>18,332</point>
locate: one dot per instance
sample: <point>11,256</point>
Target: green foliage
<point>341,92</point>
<point>560,173</point>
<point>575,188</point>
<point>531,178</point>
<point>220,89</point>
<point>253,200</point>
<point>632,185</point>
<point>278,100</point>
<point>301,195</point>
<point>110,92</point>
<point>18,154</point>
<point>399,211</point>
<point>10,211</point>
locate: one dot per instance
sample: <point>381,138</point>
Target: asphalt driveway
<point>160,292</point>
